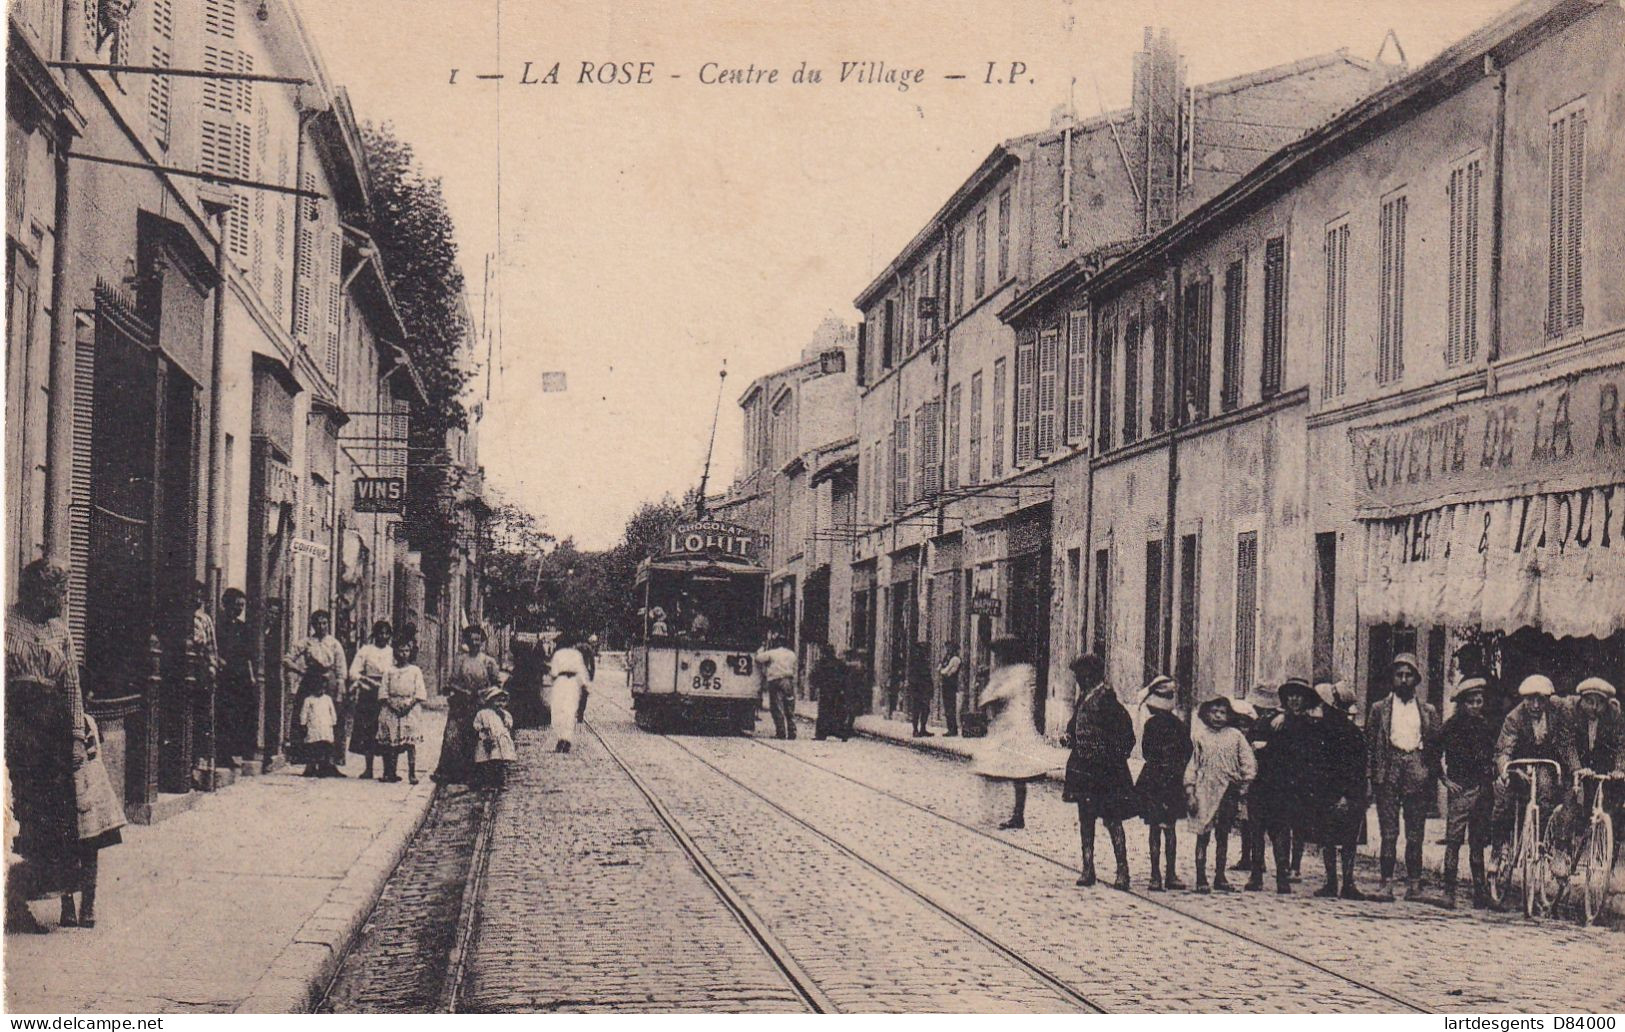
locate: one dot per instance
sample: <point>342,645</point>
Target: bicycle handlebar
<point>1535,763</point>
<point>1581,775</point>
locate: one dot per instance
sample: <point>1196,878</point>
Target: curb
<point>296,980</point>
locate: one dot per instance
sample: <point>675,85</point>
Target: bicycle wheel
<point>1598,856</point>
<point>1504,860</point>
<point>1529,871</point>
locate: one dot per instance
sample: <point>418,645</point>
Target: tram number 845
<point>707,679</point>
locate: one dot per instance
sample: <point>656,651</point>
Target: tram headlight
<point>708,668</point>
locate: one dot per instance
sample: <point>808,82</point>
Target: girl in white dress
<point>569,679</point>
<point>1012,750</point>
<point>399,717</point>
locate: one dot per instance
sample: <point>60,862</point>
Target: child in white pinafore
<point>494,750</point>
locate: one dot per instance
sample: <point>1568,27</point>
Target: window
<point>1152,663</point>
<point>1564,310</point>
<point>1246,609</point>
<point>1334,379</point>
<point>1274,315</point>
<point>1077,376</point>
<point>1004,236</point>
<point>1391,293</point>
<point>955,397</point>
<point>1461,334</point>
<point>888,337</point>
<point>863,353</point>
<point>981,253</point>
<point>1235,310</point>
<point>908,316</point>
<point>1159,368</point>
<point>891,481</point>
<point>958,263</point>
<point>1105,344</point>
<point>1198,349</point>
<point>1102,610</point>
<point>975,428</point>
<point>1185,659</point>
<point>1049,347</point>
<point>900,457</point>
<point>1026,367</point>
<point>999,387</point>
<point>1131,380</point>
<point>928,450</point>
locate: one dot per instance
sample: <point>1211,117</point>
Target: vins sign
<point>380,494</point>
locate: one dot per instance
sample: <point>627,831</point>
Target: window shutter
<point>1105,345</point>
<point>1574,312</point>
<point>955,396</point>
<point>1469,338</point>
<point>1000,387</point>
<point>335,300</point>
<point>975,457</point>
<point>863,354</point>
<point>1077,376</point>
<point>1159,368</point>
<point>1131,380</point>
<point>1234,318</point>
<point>1246,610</point>
<point>84,408</point>
<point>1025,348</point>
<point>1274,315</point>
<point>1391,333</point>
<point>245,87</point>
<point>1049,347</point>
<point>1004,235</point>
<point>1333,380</point>
<point>900,465</point>
<point>220,18</point>
<point>160,87</point>
<point>1557,238</point>
<point>981,253</point>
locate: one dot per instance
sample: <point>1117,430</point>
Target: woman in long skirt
<point>471,673</point>
<point>569,681</point>
<point>63,820</point>
<point>1012,751</point>
<point>367,677</point>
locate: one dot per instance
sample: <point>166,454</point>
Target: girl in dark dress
<point>1165,742</point>
<point>1101,737</point>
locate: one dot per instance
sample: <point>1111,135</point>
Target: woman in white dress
<point>1012,750</point>
<point>569,681</point>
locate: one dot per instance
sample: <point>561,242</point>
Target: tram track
<point>1070,869</point>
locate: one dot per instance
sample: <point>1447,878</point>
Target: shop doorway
<point>1029,618</point>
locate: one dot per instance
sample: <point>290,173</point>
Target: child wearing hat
<point>1221,769</point>
<point>1467,768</point>
<point>494,751</point>
<point>1165,743</point>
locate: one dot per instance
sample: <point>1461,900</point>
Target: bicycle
<point>1529,850</point>
<point>1593,861</point>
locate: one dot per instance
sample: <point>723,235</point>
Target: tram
<point>701,605</point>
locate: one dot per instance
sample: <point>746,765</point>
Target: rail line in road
<point>1036,854</point>
<point>803,983</point>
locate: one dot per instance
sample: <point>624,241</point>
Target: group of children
<point>389,679</point>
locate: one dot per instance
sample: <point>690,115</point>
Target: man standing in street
<point>1467,764</point>
<point>1401,738</point>
<point>949,674</point>
<point>919,688</point>
<point>777,666</point>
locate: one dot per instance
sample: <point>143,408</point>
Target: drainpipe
<point>947,353</point>
<point>214,562</point>
<point>1170,535</point>
<point>1497,210</point>
<point>59,406</point>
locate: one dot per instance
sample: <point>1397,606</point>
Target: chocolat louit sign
<point>1562,433</point>
<point>713,537</point>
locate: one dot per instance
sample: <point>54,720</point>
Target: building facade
<point>962,418</point>
<point>1363,401</point>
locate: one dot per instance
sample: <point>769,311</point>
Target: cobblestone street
<point>786,876</point>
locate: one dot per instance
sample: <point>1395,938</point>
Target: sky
<point>646,236</point>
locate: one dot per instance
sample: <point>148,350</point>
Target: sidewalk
<point>900,732</point>
<point>243,903</point>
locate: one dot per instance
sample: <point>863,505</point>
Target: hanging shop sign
<point>380,494</point>
<point>986,605</point>
<point>1562,434</point>
<point>315,549</point>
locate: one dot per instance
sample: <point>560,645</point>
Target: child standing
<point>402,696</point>
<point>1165,743</point>
<point>1467,766</point>
<point>1221,768</point>
<point>319,719</point>
<point>494,751</point>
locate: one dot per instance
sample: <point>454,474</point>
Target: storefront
<point>273,499</point>
<point>1493,533</point>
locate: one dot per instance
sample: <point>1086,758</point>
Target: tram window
<point>716,610</point>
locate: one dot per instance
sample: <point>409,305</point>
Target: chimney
<point>1159,94</point>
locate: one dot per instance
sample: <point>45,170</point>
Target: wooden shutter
<point>1105,345</point>
<point>1234,316</point>
<point>1102,602</point>
<point>1333,379</point>
<point>981,252</point>
<point>1077,377</point>
<point>955,397</point>
<point>1000,386</point>
<point>84,408</point>
<point>1131,379</point>
<point>1246,609</point>
<point>1049,347</point>
<point>1151,665</point>
<point>160,88</point>
<point>1026,367</point>
<point>1274,316</point>
<point>863,354</point>
<point>1159,368</point>
<point>1574,310</point>
<point>1004,235</point>
<point>975,457</point>
<point>1391,287</point>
